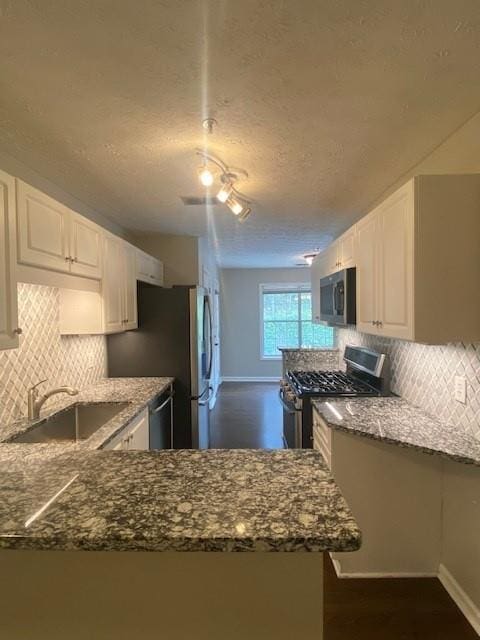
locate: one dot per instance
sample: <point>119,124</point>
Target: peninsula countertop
<point>172,500</point>
<point>395,421</point>
<point>78,496</point>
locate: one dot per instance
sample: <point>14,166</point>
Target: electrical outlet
<point>461,389</point>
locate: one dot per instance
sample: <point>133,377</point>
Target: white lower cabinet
<point>134,437</point>
<point>395,495</point>
<point>9,330</point>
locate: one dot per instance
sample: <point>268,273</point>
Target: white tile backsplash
<point>64,360</point>
<point>425,375</point>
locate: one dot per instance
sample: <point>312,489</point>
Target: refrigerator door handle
<point>203,403</point>
<point>208,317</point>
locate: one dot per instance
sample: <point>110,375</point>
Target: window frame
<point>290,287</point>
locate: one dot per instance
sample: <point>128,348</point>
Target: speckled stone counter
<point>309,359</point>
<point>395,421</point>
<point>184,500</point>
<point>138,392</point>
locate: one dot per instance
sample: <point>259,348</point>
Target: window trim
<point>289,287</point>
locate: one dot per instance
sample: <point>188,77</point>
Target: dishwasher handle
<point>164,403</point>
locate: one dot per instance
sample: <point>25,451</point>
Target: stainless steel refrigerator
<point>174,338</point>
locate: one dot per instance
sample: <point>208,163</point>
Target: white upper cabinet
<point>384,267</point>
<point>114,308</point>
<point>9,330</point>
<point>367,243</point>
<point>346,249</point>
<point>113,285</point>
<point>149,269</point>
<point>129,287</point>
<point>85,247</point>
<point>43,227</point>
<point>52,236</point>
<point>418,262</point>
<point>318,270</point>
<point>395,264</point>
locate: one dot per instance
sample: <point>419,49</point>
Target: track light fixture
<point>213,169</point>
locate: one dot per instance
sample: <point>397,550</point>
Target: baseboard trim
<point>251,379</point>
<point>461,599</point>
<point>393,574</point>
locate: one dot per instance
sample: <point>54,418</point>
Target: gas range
<point>328,383</point>
<point>366,375</point>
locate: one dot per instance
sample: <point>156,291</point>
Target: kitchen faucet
<point>35,403</point>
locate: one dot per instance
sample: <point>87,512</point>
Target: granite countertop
<point>138,392</point>
<point>180,500</point>
<point>395,421</point>
<point>81,497</point>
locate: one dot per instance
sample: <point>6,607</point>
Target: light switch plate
<point>460,389</point>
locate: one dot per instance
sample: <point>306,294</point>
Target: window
<point>286,320</point>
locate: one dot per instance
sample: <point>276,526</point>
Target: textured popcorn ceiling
<point>325,103</point>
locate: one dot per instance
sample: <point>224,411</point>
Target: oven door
<point>292,420</point>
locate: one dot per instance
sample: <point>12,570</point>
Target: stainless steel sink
<point>77,422</point>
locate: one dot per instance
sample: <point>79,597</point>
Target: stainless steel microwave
<point>338,298</point>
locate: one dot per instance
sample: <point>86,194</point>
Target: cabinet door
<point>43,230</point>
<point>112,285</point>
<point>317,271</point>
<point>143,262</point>
<point>366,251</point>
<point>395,264</point>
<point>346,249</point>
<point>129,288</point>
<point>8,285</point>
<point>139,436</point>
<point>331,259</point>
<point>85,247</point>
<point>157,272</point>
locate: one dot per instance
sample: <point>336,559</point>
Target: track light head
<point>224,193</point>
<point>244,215</point>
<point>205,176</point>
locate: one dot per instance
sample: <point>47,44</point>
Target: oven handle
<point>287,408</point>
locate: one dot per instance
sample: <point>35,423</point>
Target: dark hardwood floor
<point>249,415</point>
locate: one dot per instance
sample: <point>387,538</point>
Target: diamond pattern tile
<point>424,375</point>
<point>63,360</point>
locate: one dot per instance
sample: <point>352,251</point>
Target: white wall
<point>240,320</point>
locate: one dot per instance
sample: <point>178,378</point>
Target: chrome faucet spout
<point>35,403</point>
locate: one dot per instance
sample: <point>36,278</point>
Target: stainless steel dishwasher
<point>161,420</point>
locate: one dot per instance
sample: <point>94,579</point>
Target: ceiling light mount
<point>309,258</point>
<point>208,124</point>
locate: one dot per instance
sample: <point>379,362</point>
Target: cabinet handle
<point>18,331</point>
